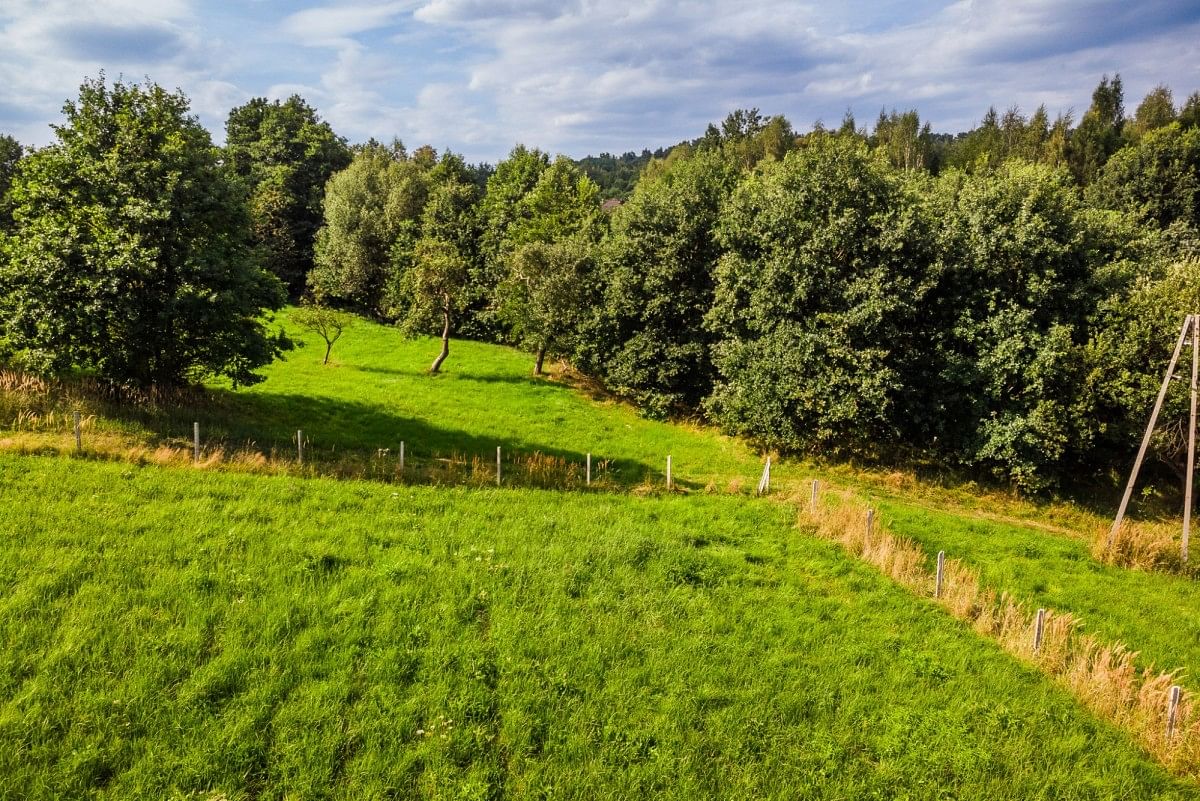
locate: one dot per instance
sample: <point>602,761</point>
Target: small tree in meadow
<point>433,289</point>
<point>327,323</point>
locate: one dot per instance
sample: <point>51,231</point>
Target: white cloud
<point>589,75</point>
<point>335,25</point>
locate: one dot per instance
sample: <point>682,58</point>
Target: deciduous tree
<point>131,252</point>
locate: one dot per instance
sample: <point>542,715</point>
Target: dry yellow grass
<point>1104,676</point>
<point>1143,545</point>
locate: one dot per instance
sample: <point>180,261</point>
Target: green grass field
<point>171,633</point>
<point>205,634</point>
<point>376,393</point>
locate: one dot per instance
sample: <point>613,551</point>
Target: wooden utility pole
<point>1190,327</point>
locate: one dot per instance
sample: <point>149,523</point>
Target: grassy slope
<point>376,392</point>
<point>1154,613</point>
<point>170,632</point>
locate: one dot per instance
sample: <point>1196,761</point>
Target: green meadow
<point>189,634</point>
<point>171,632</point>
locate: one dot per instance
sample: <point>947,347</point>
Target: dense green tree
<point>544,297</point>
<point>746,137</point>
<point>617,175</point>
<point>1156,110</point>
<point>370,206</point>
<point>1099,133</point>
<point>1018,257</point>
<point>1157,179</point>
<point>547,284</point>
<point>1189,115</point>
<point>817,300</point>
<point>648,340</point>
<point>499,208</point>
<point>10,155</point>
<point>285,153</point>
<point>131,251</point>
<point>900,136</point>
<point>1133,332</point>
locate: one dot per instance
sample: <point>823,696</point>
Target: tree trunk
<point>541,357</point>
<point>437,363</point>
<point>328,348</point>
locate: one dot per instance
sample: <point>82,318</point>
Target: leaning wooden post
<point>764,483</point>
<point>1191,457</point>
<point>1039,630</point>
<point>196,443</point>
<point>1173,709</point>
<point>669,483</point>
<point>1137,463</point>
<point>497,465</point>
<point>78,432</point>
<point>941,572</point>
<point>300,446</point>
<point>589,470</point>
<point>813,501</point>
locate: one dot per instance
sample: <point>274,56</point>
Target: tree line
<point>1002,300</point>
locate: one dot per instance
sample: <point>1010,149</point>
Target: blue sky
<point>594,75</point>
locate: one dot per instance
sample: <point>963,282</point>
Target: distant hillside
<point>616,175</point>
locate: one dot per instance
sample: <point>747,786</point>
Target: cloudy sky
<point>592,75</point>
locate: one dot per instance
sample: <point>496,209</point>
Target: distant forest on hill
<point>1001,301</point>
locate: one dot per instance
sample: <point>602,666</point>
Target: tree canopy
<point>285,153</point>
<point>131,253</point>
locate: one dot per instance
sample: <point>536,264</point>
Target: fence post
<point>1039,630</point>
<point>1173,709</point>
<point>813,502</point>
<point>764,483</point>
<point>300,446</point>
<point>669,484</point>
<point>78,432</point>
<point>401,456</point>
<point>497,465</point>
<point>589,470</point>
<point>870,521</point>
<point>196,443</point>
<point>941,571</point>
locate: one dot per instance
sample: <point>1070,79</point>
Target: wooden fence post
<point>813,501</point>
<point>589,470</point>
<point>941,572</point>
<point>497,465</point>
<point>764,483</point>
<point>401,456</point>
<point>196,443</point>
<point>1173,709</point>
<point>1039,630</point>
<point>300,446</point>
<point>78,432</point>
<point>870,521</point>
<point>669,483</point>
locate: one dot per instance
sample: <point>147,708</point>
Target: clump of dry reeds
<point>1104,676</point>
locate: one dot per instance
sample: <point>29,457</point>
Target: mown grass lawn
<point>177,633</point>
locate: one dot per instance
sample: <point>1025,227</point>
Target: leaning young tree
<point>433,291</point>
<point>130,254</point>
